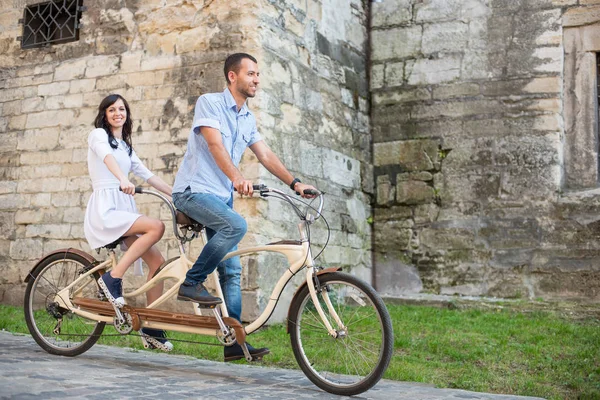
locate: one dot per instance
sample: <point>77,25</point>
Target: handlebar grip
<point>138,189</point>
<point>255,187</point>
<point>310,191</point>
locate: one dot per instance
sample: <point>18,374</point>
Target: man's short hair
<point>234,62</point>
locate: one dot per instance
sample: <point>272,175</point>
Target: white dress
<point>110,212</point>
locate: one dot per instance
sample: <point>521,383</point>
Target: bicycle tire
<point>324,359</point>
<point>77,334</point>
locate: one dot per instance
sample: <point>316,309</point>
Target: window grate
<point>51,22</point>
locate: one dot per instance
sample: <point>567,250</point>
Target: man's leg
<point>227,226</point>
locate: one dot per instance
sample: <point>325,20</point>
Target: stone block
<point>401,96</point>
<point>80,184</point>
<point>342,169</point>
<point>160,62</point>
<point>168,19</point>
<point>445,37</point>
<point>410,155</point>
<point>396,43</point>
<point>7,226</point>
<point>476,66</point>
<point>82,86</point>
<point>12,107</point>
<point>45,185</point>
<point>578,16</point>
<point>390,13</point>
<point>413,192</point>
<point>8,187</point>
<point>101,66</point>
<point>448,238</point>
<point>74,214</point>
<point>32,104</point>
<point>47,157</point>
<point>130,62</point>
<point>40,200</point>
<point>456,90</point>
<point>54,231</point>
<point>17,122</point>
<point>108,84</point>
<point>53,89</point>
<point>392,237</point>
<point>66,101</point>
<point>550,59</point>
<point>70,70</point>
<point>66,199</point>
<point>428,72</point>
<point>437,10</point>
<point>13,201</point>
<point>386,192</point>
<point>26,249</point>
<point>48,118</point>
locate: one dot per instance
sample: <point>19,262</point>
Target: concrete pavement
<point>104,372</point>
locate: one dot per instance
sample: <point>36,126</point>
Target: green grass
<point>499,351</point>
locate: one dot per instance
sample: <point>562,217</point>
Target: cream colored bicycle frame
<point>298,256</point>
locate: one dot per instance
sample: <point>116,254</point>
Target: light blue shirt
<point>238,130</point>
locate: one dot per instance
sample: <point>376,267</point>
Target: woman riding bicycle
<point>112,214</point>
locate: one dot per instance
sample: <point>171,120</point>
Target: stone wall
<point>161,55</point>
<point>471,149</point>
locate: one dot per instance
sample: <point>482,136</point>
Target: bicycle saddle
<point>187,222</point>
<point>113,245</point>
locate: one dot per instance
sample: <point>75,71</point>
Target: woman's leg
<point>151,231</point>
<point>153,260</point>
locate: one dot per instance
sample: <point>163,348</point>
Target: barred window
<point>51,22</point>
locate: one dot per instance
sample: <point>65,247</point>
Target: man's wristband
<point>293,184</point>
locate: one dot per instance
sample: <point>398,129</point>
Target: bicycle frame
<point>298,255</point>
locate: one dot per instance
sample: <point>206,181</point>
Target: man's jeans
<point>224,228</point>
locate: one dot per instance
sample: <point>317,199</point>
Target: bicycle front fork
<point>314,288</point>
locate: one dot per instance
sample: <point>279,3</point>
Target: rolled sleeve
<point>206,114</point>
<point>254,136</point>
<point>98,143</point>
<point>138,168</point>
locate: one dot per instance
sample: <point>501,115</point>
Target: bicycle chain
<point>137,335</point>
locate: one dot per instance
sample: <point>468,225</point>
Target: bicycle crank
<point>123,323</point>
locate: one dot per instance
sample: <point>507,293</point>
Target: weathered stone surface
<point>578,16</point>
<point>444,37</point>
<point>396,43</point>
<point>413,192</point>
<point>411,155</point>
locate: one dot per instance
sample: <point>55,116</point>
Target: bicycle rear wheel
<point>73,335</point>
<point>357,359</point>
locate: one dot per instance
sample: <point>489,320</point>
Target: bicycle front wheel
<point>56,329</point>
<point>357,358</point>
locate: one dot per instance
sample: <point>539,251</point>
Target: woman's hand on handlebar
<point>306,191</point>
<point>127,187</point>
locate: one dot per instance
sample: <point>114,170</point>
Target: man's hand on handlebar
<point>243,187</point>
<point>306,191</point>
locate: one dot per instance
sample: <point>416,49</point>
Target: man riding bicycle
<point>223,127</point>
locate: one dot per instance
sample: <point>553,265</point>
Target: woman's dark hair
<point>101,122</point>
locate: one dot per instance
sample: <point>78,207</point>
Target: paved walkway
<point>28,372</point>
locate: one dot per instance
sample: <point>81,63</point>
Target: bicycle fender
<point>319,273</point>
<point>81,253</point>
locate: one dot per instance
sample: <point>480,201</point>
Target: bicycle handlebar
<point>262,189</point>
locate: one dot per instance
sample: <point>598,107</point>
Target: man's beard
<point>246,93</point>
